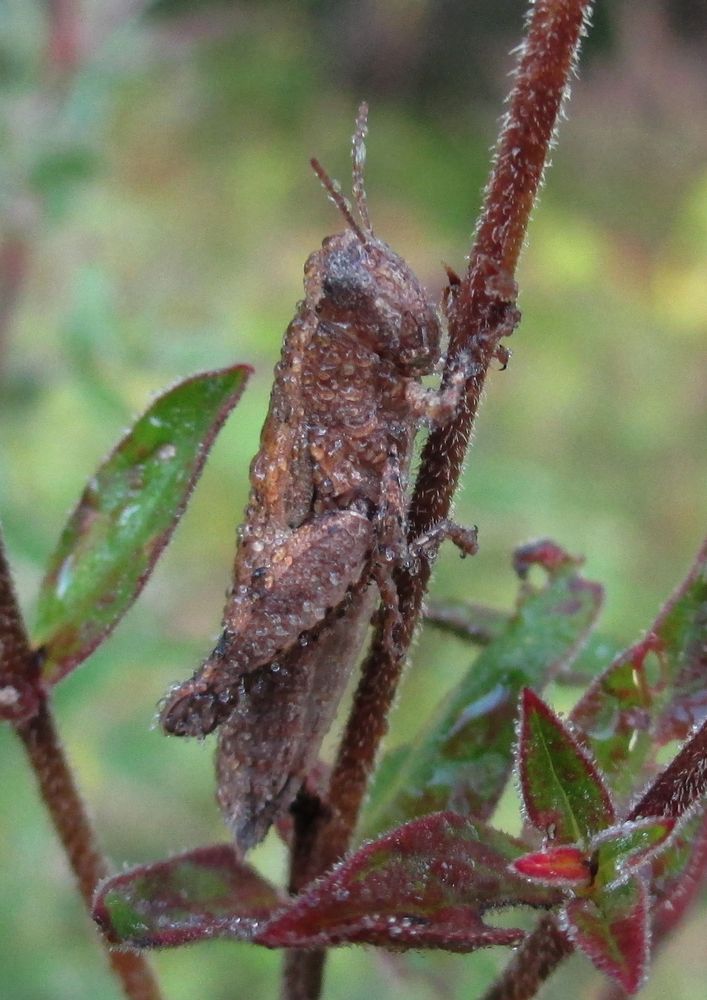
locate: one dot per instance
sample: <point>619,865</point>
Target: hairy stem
<point>16,660</point>
<point>48,761</point>
<point>61,797</point>
<point>541,953</point>
<point>481,311</point>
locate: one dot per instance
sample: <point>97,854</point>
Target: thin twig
<point>481,311</point>
<point>48,761</point>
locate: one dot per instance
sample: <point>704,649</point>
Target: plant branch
<point>48,761</point>
<point>480,314</point>
<point>481,311</point>
<point>540,954</point>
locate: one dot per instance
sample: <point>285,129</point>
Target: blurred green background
<point>156,208</point>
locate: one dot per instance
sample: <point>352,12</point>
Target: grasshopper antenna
<point>358,156</point>
<point>334,191</point>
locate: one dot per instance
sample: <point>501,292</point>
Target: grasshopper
<point>326,517</point>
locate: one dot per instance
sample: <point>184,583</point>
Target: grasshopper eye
<point>345,292</point>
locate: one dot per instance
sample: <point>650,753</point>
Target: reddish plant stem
<point>541,953</point>
<point>480,314</point>
<point>14,260</point>
<point>61,797</point>
<point>480,311</point>
<point>302,975</point>
<point>46,757</point>
<point>15,654</point>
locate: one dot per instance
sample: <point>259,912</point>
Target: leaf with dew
<point>653,692</point>
<point>563,792</point>
<point>424,885</point>
<point>201,894</point>
<point>612,928</point>
<point>461,759</point>
<point>126,516</point>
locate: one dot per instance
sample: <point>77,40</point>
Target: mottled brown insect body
<point>324,521</point>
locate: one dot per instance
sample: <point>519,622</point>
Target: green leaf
<point>201,894</point>
<point>476,623</point>
<point>563,792</point>
<point>678,875</point>
<point>654,691</point>
<point>463,756</point>
<point>622,849</point>
<point>424,885</point>
<point>682,629</point>
<point>126,516</point>
<point>612,929</point>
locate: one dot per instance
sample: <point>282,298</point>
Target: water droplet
<point>65,576</point>
<point>166,452</point>
<point>127,513</point>
<point>9,696</point>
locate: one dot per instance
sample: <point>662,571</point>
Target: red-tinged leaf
<point>683,783</point>
<point>542,552</point>
<point>564,867</point>
<point>425,885</point>
<point>678,874</point>
<point>463,756</point>
<point>563,792</point>
<point>624,848</point>
<point>627,712</point>
<point>612,929</point>
<point>615,718</point>
<point>126,516</point>
<point>204,893</point>
<point>682,627</point>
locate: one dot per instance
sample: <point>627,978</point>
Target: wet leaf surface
<point>462,758</point>
<point>126,516</point>
<point>424,885</point>
<point>563,793</point>
<point>201,894</point>
<point>622,849</point>
<point>678,874</point>
<point>654,691</point>
<point>612,929</point>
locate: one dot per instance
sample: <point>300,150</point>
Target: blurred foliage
<point>156,209</point>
